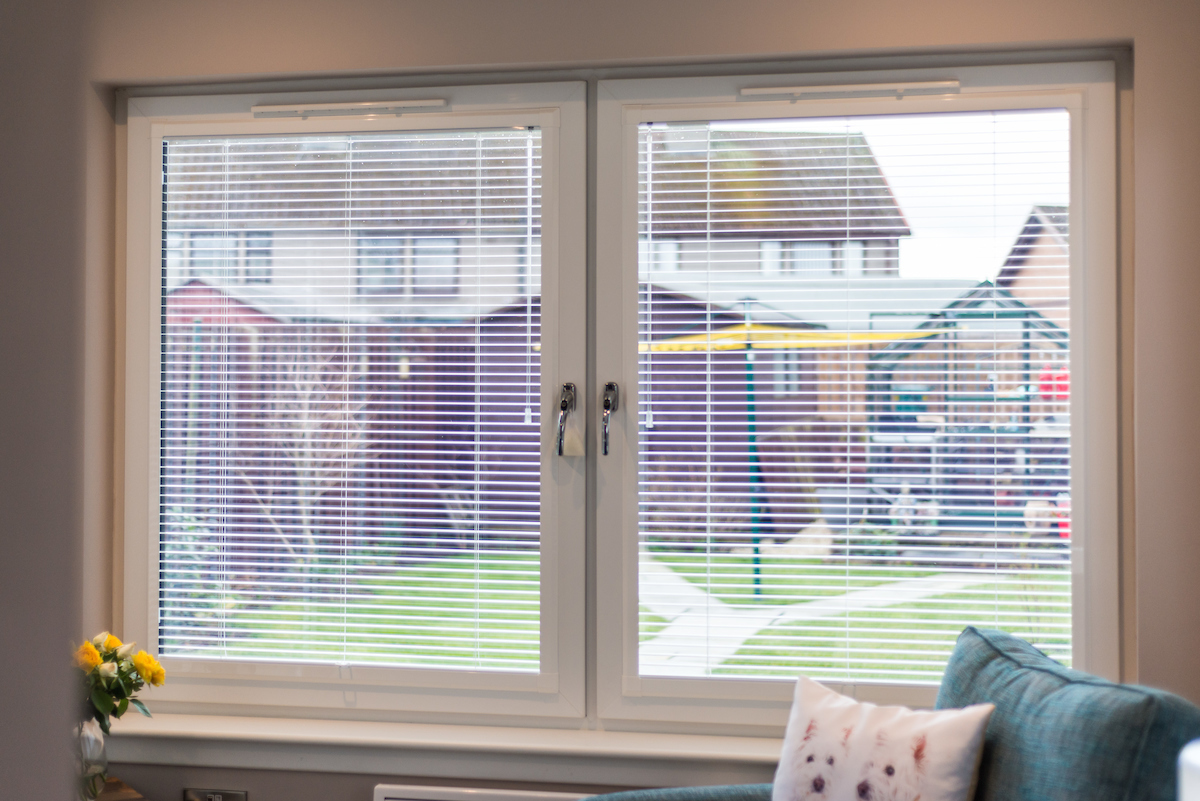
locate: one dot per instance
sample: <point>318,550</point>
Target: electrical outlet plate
<point>214,795</point>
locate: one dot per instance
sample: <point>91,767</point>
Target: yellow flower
<point>149,669</point>
<point>87,657</point>
<point>111,643</point>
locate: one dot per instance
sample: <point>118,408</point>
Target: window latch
<point>566,405</point>
<point>609,402</point>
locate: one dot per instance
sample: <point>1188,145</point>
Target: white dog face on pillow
<point>817,762</point>
<point>894,770</point>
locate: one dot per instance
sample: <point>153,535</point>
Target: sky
<point>966,182</point>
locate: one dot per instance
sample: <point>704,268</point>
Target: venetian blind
<point>349,409</point>
<point>854,381</point>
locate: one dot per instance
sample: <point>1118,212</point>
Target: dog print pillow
<point>839,749</point>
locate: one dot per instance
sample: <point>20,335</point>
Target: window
<point>217,255</point>
<point>864,340</point>
<point>346,353</point>
<point>380,264</point>
<point>396,264</point>
<point>213,253</point>
<point>813,258</point>
<point>258,257</point>
<point>435,265</point>
<point>865,436</point>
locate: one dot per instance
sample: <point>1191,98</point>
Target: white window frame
<point>1087,90</point>
<point>557,691</point>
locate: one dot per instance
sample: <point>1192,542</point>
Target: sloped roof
<point>980,298</point>
<point>1044,220</point>
<point>771,185</point>
<point>284,304</point>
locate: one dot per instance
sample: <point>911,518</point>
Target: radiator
<point>419,792</point>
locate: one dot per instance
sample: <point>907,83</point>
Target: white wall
<point>139,42</point>
<point>41,236</point>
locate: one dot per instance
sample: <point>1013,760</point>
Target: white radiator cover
<point>420,792</point>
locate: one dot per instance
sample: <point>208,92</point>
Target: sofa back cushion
<point>1059,733</point>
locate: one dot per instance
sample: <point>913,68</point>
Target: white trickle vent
<point>416,792</point>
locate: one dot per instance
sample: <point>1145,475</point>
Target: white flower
<point>126,650</point>
<point>108,669</point>
<point>99,639</point>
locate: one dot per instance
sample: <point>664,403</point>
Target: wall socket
<point>190,794</point>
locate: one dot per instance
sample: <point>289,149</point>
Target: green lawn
<point>1034,605</point>
<point>782,579</point>
<point>477,611</point>
<point>649,624</point>
<point>481,611</point>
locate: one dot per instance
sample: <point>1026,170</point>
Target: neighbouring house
<point>1036,270</point>
<point>821,206</point>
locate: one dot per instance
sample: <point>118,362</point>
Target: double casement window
<point>851,387</point>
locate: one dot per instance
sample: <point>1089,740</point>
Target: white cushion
<point>837,748</point>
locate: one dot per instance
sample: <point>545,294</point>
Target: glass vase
<point>91,759</point>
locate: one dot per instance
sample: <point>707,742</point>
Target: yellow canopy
<point>770,337</point>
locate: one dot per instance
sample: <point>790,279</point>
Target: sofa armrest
<point>727,792</point>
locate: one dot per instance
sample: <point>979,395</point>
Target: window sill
<point>602,758</point>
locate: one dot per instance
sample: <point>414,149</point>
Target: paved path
<point>704,631</point>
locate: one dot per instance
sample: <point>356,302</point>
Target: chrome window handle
<point>611,399</point>
<point>566,405</point>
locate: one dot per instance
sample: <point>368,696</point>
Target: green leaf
<point>102,700</point>
<point>121,707</point>
<point>141,707</point>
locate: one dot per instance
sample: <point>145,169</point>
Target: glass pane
<point>350,468</point>
<point>854,385</point>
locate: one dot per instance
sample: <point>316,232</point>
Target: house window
<point>866,397</point>
<point>213,254</point>
<point>232,258</point>
<point>819,438</point>
<point>397,264</point>
<point>354,490</point>
<point>257,269</point>
<point>381,264</point>
<point>813,259</point>
<point>435,266</point>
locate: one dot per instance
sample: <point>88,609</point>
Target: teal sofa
<point>1057,734</point>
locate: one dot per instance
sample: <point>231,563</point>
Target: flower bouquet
<point>111,674</point>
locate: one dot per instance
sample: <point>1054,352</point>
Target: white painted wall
<point>41,361</point>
